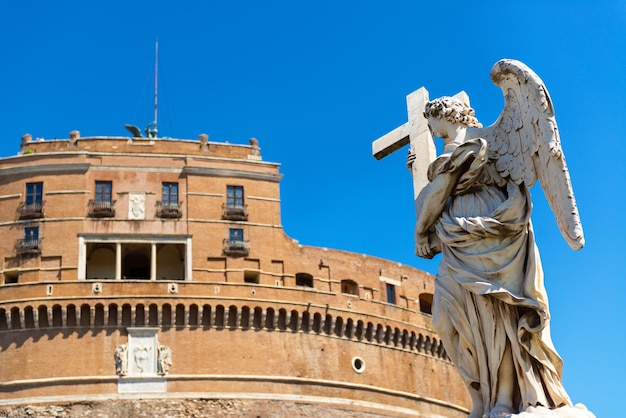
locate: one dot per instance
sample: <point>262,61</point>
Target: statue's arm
<point>429,204</point>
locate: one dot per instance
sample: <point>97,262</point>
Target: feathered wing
<point>133,130</point>
<point>526,139</point>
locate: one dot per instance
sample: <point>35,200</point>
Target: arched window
<point>306,321</point>
<point>219,316</point>
<point>166,316</point>
<point>339,327</point>
<point>43,317</point>
<point>426,303</point>
<point>317,323</point>
<point>349,287</point>
<point>29,317</point>
<point>232,317</point>
<point>257,319</point>
<point>282,319</point>
<point>70,313</point>
<point>15,318</point>
<point>193,315</point>
<point>359,330</point>
<point>180,315</point>
<point>269,319</point>
<point>293,321</point>
<point>170,262</point>
<point>304,280</point>
<point>153,315</point>
<point>206,316</point>
<point>126,315</point>
<point>111,320</point>
<point>245,317</point>
<point>85,315</point>
<point>99,315</point>
<point>100,261</point>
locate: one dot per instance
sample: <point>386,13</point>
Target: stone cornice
<point>225,172</point>
<point>45,169</point>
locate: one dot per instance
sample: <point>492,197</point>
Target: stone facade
<point>159,267</point>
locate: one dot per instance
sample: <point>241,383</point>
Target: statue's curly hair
<point>452,110</point>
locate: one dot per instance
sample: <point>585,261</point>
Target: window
<point>32,207</point>
<point>426,303</point>
<point>169,205</point>
<point>234,208</point>
<point>31,234</point>
<point>235,235</point>
<point>235,245</point>
<point>349,287</point>
<point>391,293</point>
<point>34,192</point>
<point>131,257</point>
<point>251,276</point>
<point>103,191</point>
<point>170,195</point>
<point>304,280</point>
<point>11,278</point>
<point>234,196</point>
<point>30,244</point>
<point>102,206</point>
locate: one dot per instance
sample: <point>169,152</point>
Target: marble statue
<point>164,360</point>
<point>121,359</point>
<point>490,305</point>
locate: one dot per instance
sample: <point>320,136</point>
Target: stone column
<point>82,259</point>
<point>118,261</point>
<point>153,261</point>
<point>188,266</point>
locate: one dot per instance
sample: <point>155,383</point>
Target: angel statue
<point>490,305</point>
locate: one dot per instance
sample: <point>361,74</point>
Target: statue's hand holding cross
<point>416,133</point>
<point>422,147</point>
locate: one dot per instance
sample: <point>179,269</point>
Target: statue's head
<point>451,110</point>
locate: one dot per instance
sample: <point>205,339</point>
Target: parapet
<point>121,144</point>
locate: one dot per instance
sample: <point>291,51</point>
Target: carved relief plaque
<point>142,363</point>
<point>136,205</point>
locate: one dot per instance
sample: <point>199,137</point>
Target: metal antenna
<point>152,129</point>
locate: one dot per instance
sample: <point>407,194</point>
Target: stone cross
<point>416,133</point>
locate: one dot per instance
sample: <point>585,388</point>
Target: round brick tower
<point>145,268</point>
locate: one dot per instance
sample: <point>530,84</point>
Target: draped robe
<point>489,290</point>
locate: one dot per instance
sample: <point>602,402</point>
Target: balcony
<point>30,210</point>
<point>169,210</point>
<point>235,213</point>
<point>102,209</point>
<point>29,246</point>
<point>236,248</point>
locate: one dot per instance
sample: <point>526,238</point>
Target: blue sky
<point>316,83</point>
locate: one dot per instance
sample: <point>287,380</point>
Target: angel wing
<point>526,140</point>
<point>133,130</point>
